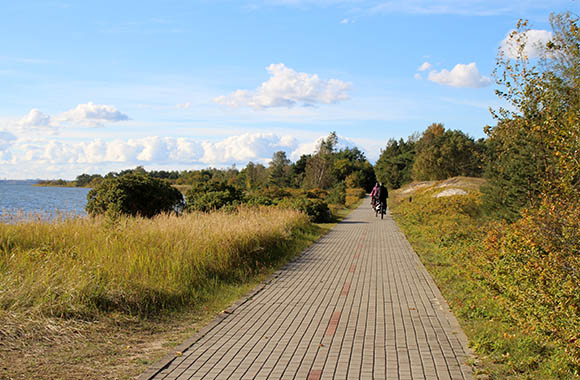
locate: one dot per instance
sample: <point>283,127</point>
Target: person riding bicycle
<point>382,194</point>
<point>374,195</point>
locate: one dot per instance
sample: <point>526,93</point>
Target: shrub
<point>274,192</point>
<point>211,196</point>
<point>356,193</point>
<point>337,195</point>
<point>316,209</point>
<point>533,265</point>
<point>133,194</point>
<point>258,200</point>
<point>316,194</point>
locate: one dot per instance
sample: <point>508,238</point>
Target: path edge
<point>467,370</point>
<point>177,351</point>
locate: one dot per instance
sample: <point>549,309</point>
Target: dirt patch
<point>110,347</point>
<point>450,193</point>
<point>462,182</point>
<point>413,187</point>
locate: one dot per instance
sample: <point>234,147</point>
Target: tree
<point>254,175</point>
<point>135,195</point>
<point>318,173</point>
<point>534,146</point>
<point>279,169</point>
<point>393,168</point>
<point>88,180</point>
<point>83,180</point>
<point>441,154</point>
<point>298,170</point>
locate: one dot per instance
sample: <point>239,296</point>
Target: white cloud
<point>185,150</point>
<point>287,88</point>
<point>345,21</point>
<point>424,66</point>
<point>121,151</point>
<point>35,118</point>
<point>40,157</point>
<point>531,43</point>
<point>311,146</point>
<point>246,147</point>
<point>417,76</point>
<point>460,76</point>
<point>92,115</point>
<point>56,151</point>
<point>89,114</point>
<point>154,149</point>
<point>7,139</point>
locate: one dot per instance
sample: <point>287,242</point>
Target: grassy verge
<point>448,235</point>
<point>95,298</point>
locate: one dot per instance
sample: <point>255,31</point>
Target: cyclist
<point>381,200</point>
<point>374,195</point>
<point>382,195</point>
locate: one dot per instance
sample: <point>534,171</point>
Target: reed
<point>83,266</point>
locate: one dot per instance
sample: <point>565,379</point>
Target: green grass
<point>447,233</point>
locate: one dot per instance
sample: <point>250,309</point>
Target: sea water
<point>24,198</point>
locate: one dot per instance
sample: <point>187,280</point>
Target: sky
<point>94,87</point>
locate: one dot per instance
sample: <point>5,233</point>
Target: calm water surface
<point>23,196</point>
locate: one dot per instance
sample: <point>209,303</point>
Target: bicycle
<point>381,208</point>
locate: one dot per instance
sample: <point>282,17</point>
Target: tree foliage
<point>318,172</point>
<point>535,144</point>
<point>133,194</point>
<point>88,180</point>
<point>441,154</point>
<point>211,196</point>
<point>533,177</point>
<point>279,169</point>
<point>254,176</point>
<point>393,168</point>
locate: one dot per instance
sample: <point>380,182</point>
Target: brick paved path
<point>358,304</point>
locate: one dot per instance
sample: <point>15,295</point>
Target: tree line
<point>329,176</point>
<point>435,154</point>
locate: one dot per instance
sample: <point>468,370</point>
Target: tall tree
<point>279,169</point>
<point>442,154</point>
<point>393,168</point>
<point>534,146</point>
<point>254,175</point>
<point>319,167</point>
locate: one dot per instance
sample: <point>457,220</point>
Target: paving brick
<point>358,303</point>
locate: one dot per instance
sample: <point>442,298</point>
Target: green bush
<point>258,200</point>
<point>133,194</point>
<point>211,196</point>
<point>316,209</point>
<point>337,195</point>
<point>273,193</point>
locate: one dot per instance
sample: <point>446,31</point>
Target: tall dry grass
<point>84,266</point>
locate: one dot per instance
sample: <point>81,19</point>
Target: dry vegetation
<point>518,307</point>
<point>104,298</point>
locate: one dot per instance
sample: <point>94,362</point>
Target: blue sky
<point>90,87</point>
